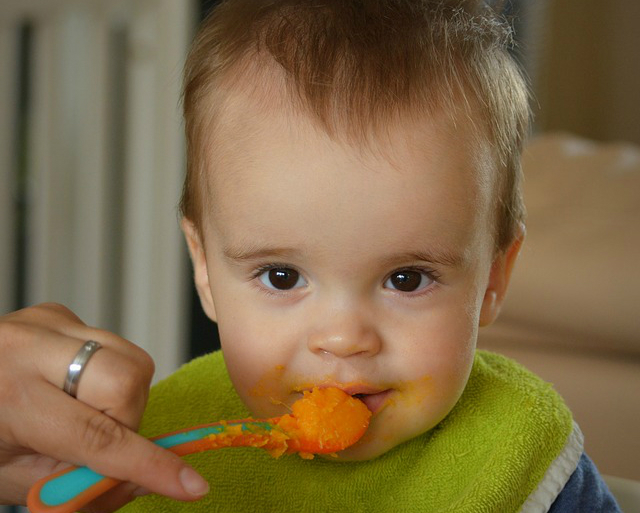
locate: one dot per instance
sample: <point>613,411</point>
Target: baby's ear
<point>499,279</point>
<point>199,261</point>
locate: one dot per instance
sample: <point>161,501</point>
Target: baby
<point>352,209</point>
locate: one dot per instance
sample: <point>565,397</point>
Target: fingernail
<point>193,483</point>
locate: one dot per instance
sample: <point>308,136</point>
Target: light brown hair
<point>355,65</point>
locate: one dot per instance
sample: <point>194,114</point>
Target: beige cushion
<point>572,314</point>
<point>577,281</point>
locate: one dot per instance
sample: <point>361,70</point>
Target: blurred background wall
<point>92,163</point>
<point>586,77</point>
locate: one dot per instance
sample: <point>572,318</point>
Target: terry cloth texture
<point>488,455</point>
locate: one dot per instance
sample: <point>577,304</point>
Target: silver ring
<point>77,366</point>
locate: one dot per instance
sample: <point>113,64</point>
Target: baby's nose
<point>344,337</point>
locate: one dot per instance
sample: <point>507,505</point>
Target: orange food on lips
<point>324,421</point>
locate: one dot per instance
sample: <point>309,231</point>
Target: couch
<point>572,313</point>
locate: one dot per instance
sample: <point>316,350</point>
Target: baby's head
<point>352,202</point>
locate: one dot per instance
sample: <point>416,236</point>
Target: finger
<point>45,314</point>
<point>118,384</point>
<point>18,473</point>
<point>115,380</point>
<point>38,324</point>
<point>16,478</point>
<point>80,435</point>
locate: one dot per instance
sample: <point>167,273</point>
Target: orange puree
<point>324,421</point>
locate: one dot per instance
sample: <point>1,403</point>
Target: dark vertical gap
<point>25,59</point>
<point>203,334</point>
<point>206,6</point>
<point>116,144</point>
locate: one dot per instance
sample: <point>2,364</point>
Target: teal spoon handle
<point>70,489</point>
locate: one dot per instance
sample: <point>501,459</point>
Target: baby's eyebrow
<point>251,252</point>
<point>439,257</point>
<point>255,252</point>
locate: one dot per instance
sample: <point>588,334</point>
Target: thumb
<point>95,440</point>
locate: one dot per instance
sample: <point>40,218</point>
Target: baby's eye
<point>408,280</point>
<point>282,278</point>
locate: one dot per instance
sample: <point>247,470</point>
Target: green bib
<point>509,445</point>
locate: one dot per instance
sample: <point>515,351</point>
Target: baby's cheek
<point>269,384</point>
<point>266,393</point>
<point>425,401</point>
<point>422,403</point>
<point>449,383</point>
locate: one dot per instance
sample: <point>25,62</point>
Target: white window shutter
<point>125,271</point>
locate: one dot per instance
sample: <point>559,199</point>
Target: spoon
<point>323,421</point>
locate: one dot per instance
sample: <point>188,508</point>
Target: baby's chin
<point>363,451</point>
<point>369,447</point>
<point>354,453</point>
<point>384,435</point>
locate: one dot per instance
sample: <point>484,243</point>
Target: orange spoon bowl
<point>325,420</point>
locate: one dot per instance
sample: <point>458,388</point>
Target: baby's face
<point>331,265</point>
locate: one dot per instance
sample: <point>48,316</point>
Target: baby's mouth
<point>373,398</point>
<point>376,401</point>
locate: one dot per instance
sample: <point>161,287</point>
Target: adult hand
<point>43,429</point>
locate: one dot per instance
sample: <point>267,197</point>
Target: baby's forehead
<point>287,184</point>
<point>263,86</point>
<point>250,129</point>
<point>247,113</point>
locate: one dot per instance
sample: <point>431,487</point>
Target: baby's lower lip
<point>375,402</point>
<point>373,398</point>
